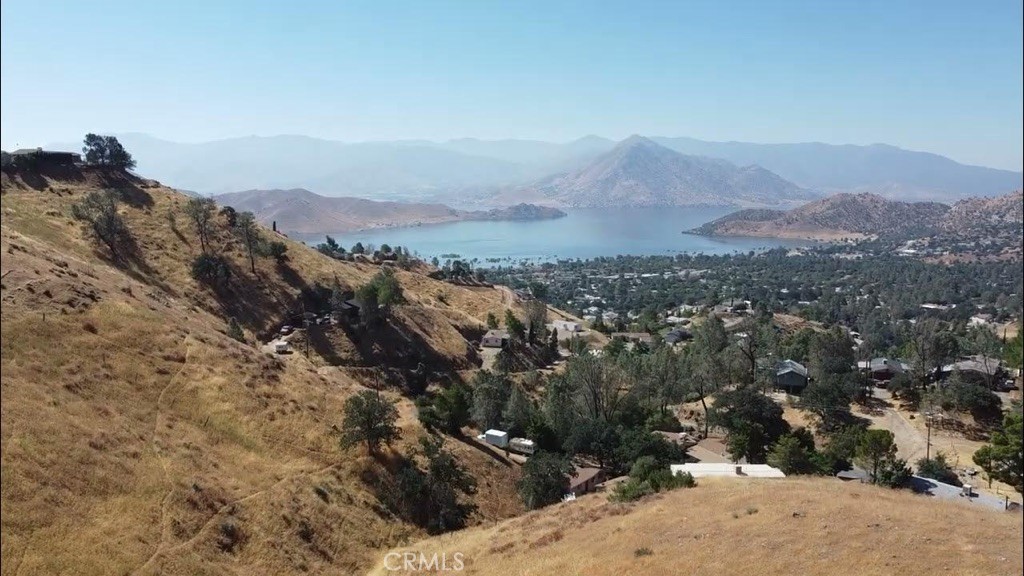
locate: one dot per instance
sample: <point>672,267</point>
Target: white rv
<point>522,445</point>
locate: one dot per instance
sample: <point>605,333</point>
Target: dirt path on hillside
<point>911,445</point>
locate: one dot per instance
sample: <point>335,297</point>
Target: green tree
<point>490,395</point>
<point>249,232</point>
<point>938,468</point>
<point>369,418</point>
<point>518,412</point>
<point>1002,458</point>
<point>235,330</point>
<point>536,317</point>
<point>1013,352</point>
<point>200,212</point>
<point>705,363</point>
<point>829,400</point>
<point>453,407</point>
<point>753,422</point>
<point>99,210</point>
<point>875,450</point>
<point>545,479</point>
<point>791,456</point>
<point>106,151</point>
<point>432,498</point>
<point>492,321</point>
<point>515,328</point>
<point>211,270</point>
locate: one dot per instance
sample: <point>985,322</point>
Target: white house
<point>494,339</point>
<point>727,470</point>
<point>566,326</point>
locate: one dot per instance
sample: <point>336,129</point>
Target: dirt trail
<point>911,445</point>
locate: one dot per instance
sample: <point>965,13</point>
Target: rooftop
<point>714,469</point>
<point>791,366</point>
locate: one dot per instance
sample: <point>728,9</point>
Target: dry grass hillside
<point>138,438</point>
<point>792,526</point>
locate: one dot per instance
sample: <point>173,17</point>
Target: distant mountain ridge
<point>468,167</point>
<point>304,212</point>
<point>864,214</point>
<point>639,172</point>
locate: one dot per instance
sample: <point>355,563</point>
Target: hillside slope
<point>138,438</point>
<point>791,526</point>
<point>639,172</point>
<point>838,216</point>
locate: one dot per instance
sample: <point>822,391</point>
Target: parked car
<point>286,329</point>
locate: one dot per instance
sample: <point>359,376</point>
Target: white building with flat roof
<point>727,470</point>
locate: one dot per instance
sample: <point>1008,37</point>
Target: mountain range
<point>467,169</point>
<point>640,172</point>
<point>304,212</point>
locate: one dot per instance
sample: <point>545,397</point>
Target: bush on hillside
<point>211,270</point>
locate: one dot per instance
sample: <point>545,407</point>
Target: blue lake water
<point>584,233</point>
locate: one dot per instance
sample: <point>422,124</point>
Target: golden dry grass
<point>135,432</point>
<point>791,526</point>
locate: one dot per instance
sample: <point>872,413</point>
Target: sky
<point>944,77</point>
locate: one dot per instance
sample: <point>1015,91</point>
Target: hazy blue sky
<point>935,75</point>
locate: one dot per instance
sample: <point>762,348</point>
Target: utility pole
<point>928,442</point>
<point>305,326</point>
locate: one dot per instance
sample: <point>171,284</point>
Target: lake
<point>583,233</point>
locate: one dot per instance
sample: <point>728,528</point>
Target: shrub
<point>211,270</point>
<point>938,468</point>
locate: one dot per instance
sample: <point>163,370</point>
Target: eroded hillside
<point>138,438</point>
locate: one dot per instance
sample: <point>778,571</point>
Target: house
<point>791,376</point>
<point>635,337</point>
<point>978,369</point>
<point>727,470</point>
<point>566,326</point>
<point>882,369</point>
<point>677,335</point>
<point>47,156</point>
<point>585,479</point>
<point>494,339</point>
<point>349,309</point>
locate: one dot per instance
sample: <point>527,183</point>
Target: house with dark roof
<point>791,376</point>
<point>882,369</point>
<point>585,479</point>
<point>677,335</point>
<point>978,369</point>
<point>41,156</point>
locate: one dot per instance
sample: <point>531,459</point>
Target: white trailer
<point>281,347</point>
<point>522,445</point>
<point>497,438</point>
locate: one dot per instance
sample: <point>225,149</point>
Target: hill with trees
<point>838,216</point>
<point>146,430</point>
